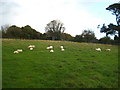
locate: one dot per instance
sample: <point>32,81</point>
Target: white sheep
<point>48,48</point>
<point>51,51</point>
<point>98,49</point>
<point>31,48</point>
<point>19,50</point>
<point>15,52</point>
<point>62,49</point>
<point>107,49</point>
<point>51,47</point>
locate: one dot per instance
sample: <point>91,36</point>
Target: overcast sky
<point>77,15</point>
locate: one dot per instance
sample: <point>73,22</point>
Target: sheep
<point>48,48</point>
<point>31,48</point>
<point>51,51</point>
<point>19,50</point>
<point>51,47</point>
<point>108,50</point>
<point>62,49</point>
<point>15,52</point>
<point>98,49</point>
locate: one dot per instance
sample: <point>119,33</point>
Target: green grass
<point>79,66</point>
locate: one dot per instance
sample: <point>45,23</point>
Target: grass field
<point>79,66</point>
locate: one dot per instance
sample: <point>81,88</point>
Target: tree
<point>0,33</point>
<point>54,29</point>
<point>25,32</point>
<point>111,28</point>
<point>4,29</point>
<point>105,40</point>
<point>30,33</point>
<point>14,32</point>
<point>66,36</point>
<point>115,9</point>
<point>78,38</point>
<point>88,36</point>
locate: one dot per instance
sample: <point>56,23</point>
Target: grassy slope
<point>80,66</point>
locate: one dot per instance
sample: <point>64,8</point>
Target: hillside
<point>79,66</point>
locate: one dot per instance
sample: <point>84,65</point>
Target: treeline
<point>27,32</point>
<point>89,37</point>
<point>16,32</point>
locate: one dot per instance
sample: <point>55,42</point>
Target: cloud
<point>98,1</point>
<point>37,13</point>
<point>8,10</point>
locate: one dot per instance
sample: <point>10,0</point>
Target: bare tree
<point>3,30</point>
<point>5,27</point>
<point>54,29</point>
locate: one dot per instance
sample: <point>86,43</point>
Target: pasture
<point>79,66</point>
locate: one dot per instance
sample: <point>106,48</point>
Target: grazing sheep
<point>51,47</point>
<point>52,51</point>
<point>31,48</point>
<point>19,50</point>
<point>108,50</point>
<point>15,52</point>
<point>48,48</point>
<point>62,49</point>
<point>98,49</point>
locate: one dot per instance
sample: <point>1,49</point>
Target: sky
<point>77,15</point>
